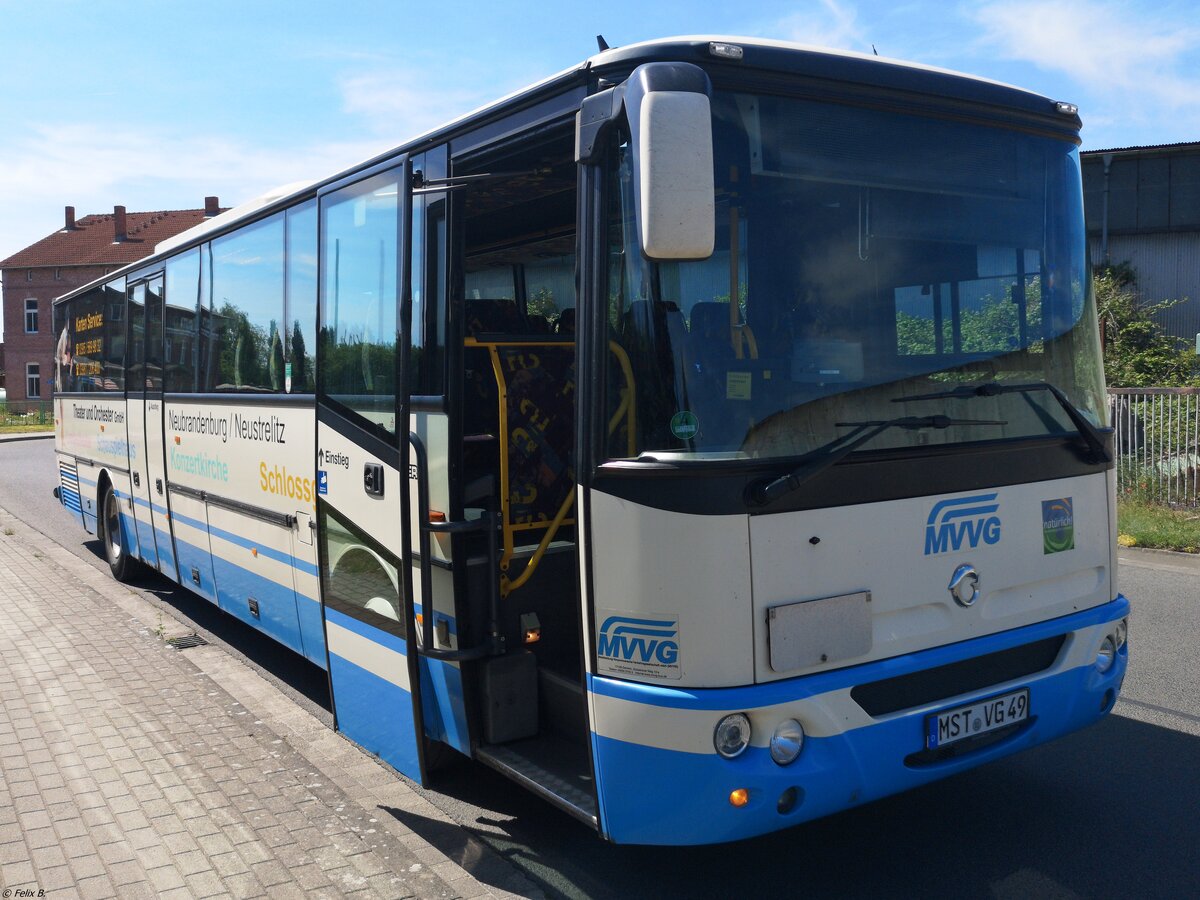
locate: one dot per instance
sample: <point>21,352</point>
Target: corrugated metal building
<point>1143,207</point>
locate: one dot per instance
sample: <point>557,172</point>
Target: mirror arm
<point>595,118</point>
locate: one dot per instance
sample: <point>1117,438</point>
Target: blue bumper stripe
<point>655,796</point>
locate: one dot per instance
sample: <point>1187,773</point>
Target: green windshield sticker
<point>684,425</point>
<point>1058,525</point>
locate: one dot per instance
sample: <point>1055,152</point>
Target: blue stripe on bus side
<point>277,555</point>
<point>278,614</point>
<point>442,690</point>
<point>371,633</point>
<point>443,705</point>
<point>302,632</point>
<point>375,714</point>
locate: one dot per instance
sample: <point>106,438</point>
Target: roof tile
<point>92,242</point>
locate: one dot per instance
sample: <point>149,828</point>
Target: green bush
<point>1137,353</point>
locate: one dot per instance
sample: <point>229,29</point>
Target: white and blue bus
<point>710,437</point>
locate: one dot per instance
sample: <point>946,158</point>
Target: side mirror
<point>670,124</point>
<point>674,171</point>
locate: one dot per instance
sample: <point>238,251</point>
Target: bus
<point>694,437</point>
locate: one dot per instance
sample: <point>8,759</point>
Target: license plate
<point>980,717</point>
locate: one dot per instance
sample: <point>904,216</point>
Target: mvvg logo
<point>954,524</point>
<point>647,644</point>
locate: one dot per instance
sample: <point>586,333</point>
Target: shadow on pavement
<point>284,665</point>
<point>1111,811</point>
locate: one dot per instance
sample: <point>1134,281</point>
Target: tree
<point>1137,352</point>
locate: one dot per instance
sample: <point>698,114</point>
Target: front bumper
<point>660,781</point>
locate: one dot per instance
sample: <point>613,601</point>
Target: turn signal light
<point>739,797</point>
<point>437,516</point>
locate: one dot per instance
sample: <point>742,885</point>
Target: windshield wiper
<point>816,461</point>
<point>1090,433</point>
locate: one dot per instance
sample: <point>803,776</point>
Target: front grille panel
<point>878,698</point>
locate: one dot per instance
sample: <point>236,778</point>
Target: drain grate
<point>187,642</point>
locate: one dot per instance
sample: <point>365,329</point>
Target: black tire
<point>108,524</point>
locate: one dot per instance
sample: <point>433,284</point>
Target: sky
<point>154,105</point>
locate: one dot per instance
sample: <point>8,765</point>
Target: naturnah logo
<point>965,522</point>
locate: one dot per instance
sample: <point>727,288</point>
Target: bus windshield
<point>865,258</point>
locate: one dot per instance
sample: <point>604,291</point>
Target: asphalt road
<point>1113,811</point>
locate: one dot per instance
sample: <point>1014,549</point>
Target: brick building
<point>81,251</point>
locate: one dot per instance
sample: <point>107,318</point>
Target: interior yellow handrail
<point>507,586</point>
<point>744,334</point>
<point>626,409</point>
<point>628,404</point>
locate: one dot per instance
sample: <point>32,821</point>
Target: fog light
<point>1105,655</point>
<point>787,741</point>
<point>1122,634</point>
<point>732,735</point>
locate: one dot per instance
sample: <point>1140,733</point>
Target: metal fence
<point>17,414</point>
<point>1157,443</point>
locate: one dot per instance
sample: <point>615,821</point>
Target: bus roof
<point>758,53</point>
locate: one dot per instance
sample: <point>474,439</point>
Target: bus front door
<point>362,476</point>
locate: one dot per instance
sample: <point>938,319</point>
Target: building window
<point>33,380</point>
<point>58,274</point>
<point>29,274</point>
<point>31,315</point>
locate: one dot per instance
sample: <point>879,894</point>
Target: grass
<point>1142,524</point>
<point>28,417</point>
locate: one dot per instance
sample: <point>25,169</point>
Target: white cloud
<point>405,103</point>
<point>1101,45</point>
<point>94,167</point>
<point>823,23</point>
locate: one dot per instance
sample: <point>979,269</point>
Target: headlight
<point>732,735</point>
<point>1105,655</point>
<point>787,741</point>
<point>1122,633</point>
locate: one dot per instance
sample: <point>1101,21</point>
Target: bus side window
<point>247,296</point>
<point>300,319</point>
<point>426,375</point>
<point>360,225</point>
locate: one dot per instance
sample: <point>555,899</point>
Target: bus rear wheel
<point>120,563</point>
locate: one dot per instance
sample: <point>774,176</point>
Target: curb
<point>26,436</point>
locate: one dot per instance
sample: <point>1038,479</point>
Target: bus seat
<point>710,335</point>
<point>495,316</point>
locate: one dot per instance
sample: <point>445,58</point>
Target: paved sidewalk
<point>130,769</point>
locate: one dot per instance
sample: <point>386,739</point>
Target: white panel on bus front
<point>819,631</point>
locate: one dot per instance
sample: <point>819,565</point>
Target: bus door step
<point>556,769</point>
